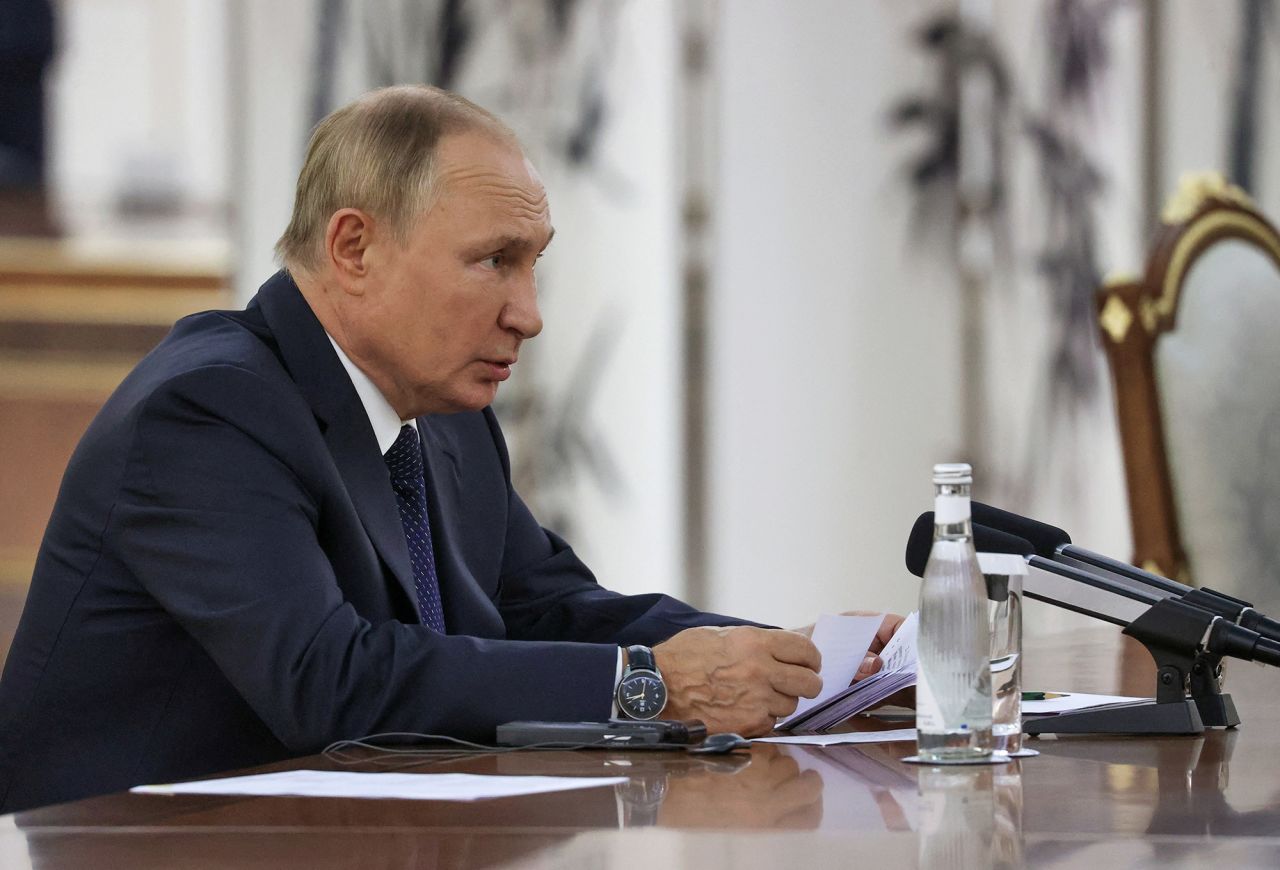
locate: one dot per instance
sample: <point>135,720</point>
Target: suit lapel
<point>319,374</point>
<point>466,608</point>
<point>355,451</point>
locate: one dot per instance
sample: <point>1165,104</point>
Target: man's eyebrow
<point>515,240</point>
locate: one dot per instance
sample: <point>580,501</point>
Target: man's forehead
<point>472,157</point>
<point>482,184</point>
<point>479,180</point>
<point>490,193</point>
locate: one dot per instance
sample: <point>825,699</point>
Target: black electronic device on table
<point>608,734</point>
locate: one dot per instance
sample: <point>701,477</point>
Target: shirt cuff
<point>617,678</point>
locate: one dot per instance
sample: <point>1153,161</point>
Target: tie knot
<point>404,459</point>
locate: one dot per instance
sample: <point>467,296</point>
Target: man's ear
<point>346,243</point>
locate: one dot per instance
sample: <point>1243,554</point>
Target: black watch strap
<point>641,657</point>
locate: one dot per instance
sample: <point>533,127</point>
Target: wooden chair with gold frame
<point>1194,349</point>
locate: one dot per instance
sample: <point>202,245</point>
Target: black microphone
<point>1051,542</point>
<point>1176,620</point>
<point>1176,624</point>
<point>989,540</point>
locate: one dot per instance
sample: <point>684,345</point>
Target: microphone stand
<point>1177,636</point>
<point>1216,707</point>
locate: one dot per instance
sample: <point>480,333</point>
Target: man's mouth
<point>500,369</point>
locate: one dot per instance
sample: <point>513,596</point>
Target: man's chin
<point>474,400</point>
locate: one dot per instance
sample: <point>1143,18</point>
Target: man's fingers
<point>870,664</point>
<point>796,681</point>
<point>780,705</point>
<point>794,649</point>
<point>885,632</point>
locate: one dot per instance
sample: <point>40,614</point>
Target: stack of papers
<point>841,641</point>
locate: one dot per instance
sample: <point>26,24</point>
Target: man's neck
<point>383,417</point>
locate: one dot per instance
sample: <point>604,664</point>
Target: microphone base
<point>1217,711</point>
<point>1143,717</point>
<point>1169,632</point>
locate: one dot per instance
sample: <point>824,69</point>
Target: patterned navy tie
<point>404,460</point>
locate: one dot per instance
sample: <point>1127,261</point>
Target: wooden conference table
<point>1084,802</point>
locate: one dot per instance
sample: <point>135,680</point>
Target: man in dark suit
<point>295,523</point>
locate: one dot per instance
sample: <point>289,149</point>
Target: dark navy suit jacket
<point>225,582</point>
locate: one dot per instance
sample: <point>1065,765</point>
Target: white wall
<point>271,45</point>
<point>1067,469</point>
<point>1201,51</point>
<point>138,98</point>
<point>836,379</point>
<point>834,386</point>
<point>616,260</point>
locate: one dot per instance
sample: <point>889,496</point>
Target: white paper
<point>843,642</point>
<point>852,737</point>
<point>897,673</point>
<point>349,784</point>
<point>1065,702</point>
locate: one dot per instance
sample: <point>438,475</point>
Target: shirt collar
<point>383,418</point>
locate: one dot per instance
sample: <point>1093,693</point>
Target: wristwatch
<point>641,692</point>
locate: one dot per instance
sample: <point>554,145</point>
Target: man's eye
<point>493,262</point>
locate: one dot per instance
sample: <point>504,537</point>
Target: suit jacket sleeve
<point>219,521</point>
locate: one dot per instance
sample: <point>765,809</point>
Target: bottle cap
<point>953,473</point>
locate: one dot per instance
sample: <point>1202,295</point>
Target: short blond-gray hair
<point>377,155</point>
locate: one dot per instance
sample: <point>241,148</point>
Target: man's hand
<point>737,679</point>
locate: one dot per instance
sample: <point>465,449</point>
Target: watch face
<point>642,695</point>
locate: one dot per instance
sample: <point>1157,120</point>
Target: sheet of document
<point>899,672</point>
<point>843,642</point>
<point>1065,702</point>
<point>836,739</point>
<point>415,786</point>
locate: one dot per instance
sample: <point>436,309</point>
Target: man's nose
<point>520,315</point>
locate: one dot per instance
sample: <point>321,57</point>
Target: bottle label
<point>950,509</point>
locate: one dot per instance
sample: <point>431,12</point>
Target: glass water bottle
<point>953,693</point>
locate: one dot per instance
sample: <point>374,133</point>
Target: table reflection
<point>970,816</point>
<point>772,791</point>
<point>1185,782</point>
